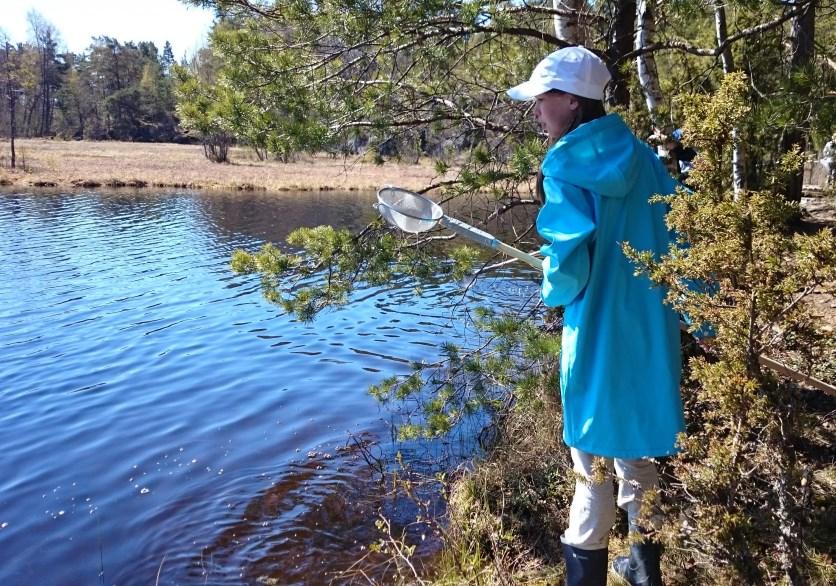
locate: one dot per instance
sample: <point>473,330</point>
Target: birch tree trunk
<point>566,25</point>
<point>727,59</point>
<point>646,63</point>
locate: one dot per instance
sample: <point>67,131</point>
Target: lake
<point>162,422</point>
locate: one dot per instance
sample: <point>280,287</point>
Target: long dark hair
<point>588,110</point>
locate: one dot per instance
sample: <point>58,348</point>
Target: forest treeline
<point>110,91</point>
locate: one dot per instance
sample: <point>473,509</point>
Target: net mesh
<point>408,211</point>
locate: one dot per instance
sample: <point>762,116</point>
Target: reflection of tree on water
<point>270,216</point>
<point>312,525</point>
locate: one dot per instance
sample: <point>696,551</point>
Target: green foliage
<point>525,160</point>
<point>737,267</point>
<point>435,399</point>
<point>464,260</point>
<point>201,107</point>
<point>337,256</point>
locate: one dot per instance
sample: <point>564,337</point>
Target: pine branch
<point>686,47</point>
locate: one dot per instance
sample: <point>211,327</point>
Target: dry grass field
<point>70,164</point>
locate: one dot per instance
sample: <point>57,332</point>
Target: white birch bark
<point>566,26</point>
<point>646,63</point>
<point>721,32</point>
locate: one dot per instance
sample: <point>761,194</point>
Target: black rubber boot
<point>641,567</point>
<point>585,567</point>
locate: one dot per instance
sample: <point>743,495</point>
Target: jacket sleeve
<point>566,222</point>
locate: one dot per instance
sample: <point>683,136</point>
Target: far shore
<point>86,165</point>
<point>95,164</point>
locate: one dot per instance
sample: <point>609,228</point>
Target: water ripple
<point>154,407</point>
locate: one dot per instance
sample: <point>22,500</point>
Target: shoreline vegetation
<point>88,164</point>
<point>95,164</point>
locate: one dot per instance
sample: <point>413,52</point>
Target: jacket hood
<point>599,156</point>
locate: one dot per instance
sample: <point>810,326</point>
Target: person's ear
<point>574,104</point>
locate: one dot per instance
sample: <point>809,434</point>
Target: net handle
<point>489,240</point>
<point>466,230</point>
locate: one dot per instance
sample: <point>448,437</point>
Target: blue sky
<point>185,27</point>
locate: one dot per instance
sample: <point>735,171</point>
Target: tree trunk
<point>621,43</point>
<point>646,63</point>
<point>567,27</point>
<point>721,32</point>
<point>80,132</point>
<point>27,115</point>
<point>11,93</point>
<point>44,91</point>
<point>802,53</point>
<point>12,125</point>
<point>12,129</point>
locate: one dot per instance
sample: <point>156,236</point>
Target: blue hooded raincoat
<point>620,362</point>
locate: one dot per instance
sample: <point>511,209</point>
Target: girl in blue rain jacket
<point>620,362</point>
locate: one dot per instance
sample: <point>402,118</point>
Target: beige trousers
<point>592,513</point>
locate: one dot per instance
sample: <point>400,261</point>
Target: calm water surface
<point>161,421</point>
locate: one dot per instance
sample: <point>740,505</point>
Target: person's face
<point>555,111</point>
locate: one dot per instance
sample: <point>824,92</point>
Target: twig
<point>160,570</point>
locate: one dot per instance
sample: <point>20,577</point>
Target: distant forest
<point>110,91</point>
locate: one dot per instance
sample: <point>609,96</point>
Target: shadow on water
<point>314,525</point>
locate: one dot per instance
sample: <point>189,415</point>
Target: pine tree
<point>167,60</point>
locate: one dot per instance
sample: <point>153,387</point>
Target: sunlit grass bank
<point>84,164</point>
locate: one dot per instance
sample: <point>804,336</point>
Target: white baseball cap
<point>574,70</point>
